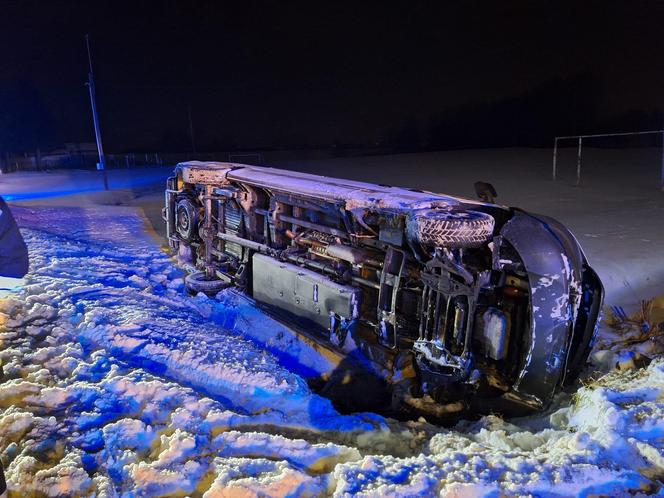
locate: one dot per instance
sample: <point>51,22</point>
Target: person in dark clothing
<point>13,251</point>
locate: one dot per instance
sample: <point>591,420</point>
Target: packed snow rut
<point>118,384</point>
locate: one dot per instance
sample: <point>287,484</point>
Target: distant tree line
<point>532,119</point>
<point>559,107</point>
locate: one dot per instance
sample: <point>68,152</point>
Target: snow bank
<point>117,384</point>
<point>608,442</point>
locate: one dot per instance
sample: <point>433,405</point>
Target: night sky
<point>285,74</point>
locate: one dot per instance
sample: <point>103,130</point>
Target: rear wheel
<point>187,219</point>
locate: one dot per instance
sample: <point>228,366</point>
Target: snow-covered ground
<point>118,384</point>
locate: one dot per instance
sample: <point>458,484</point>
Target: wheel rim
<point>184,222</point>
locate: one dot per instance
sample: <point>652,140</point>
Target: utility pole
<point>95,117</point>
<point>191,130</point>
<point>661,178</point>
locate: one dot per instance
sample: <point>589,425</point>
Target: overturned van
<point>457,304</point>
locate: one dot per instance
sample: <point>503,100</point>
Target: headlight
<point>9,285</point>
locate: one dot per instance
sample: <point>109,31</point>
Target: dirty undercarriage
<point>455,304</point>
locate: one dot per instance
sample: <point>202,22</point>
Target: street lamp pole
<point>95,116</point>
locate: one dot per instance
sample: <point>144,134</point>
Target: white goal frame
<point>598,135</point>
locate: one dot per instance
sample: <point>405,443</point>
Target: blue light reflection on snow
<point>140,179</point>
<point>28,196</point>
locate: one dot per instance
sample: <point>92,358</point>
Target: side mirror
<point>485,192</point>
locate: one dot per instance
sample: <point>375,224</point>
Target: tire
<point>198,282</point>
<point>186,219</point>
<point>441,228</point>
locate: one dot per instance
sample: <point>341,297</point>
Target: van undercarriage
<point>456,304</point>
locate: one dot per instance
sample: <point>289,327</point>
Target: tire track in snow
<point>81,295</point>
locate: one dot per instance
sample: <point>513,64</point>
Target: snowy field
<point>118,384</point>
